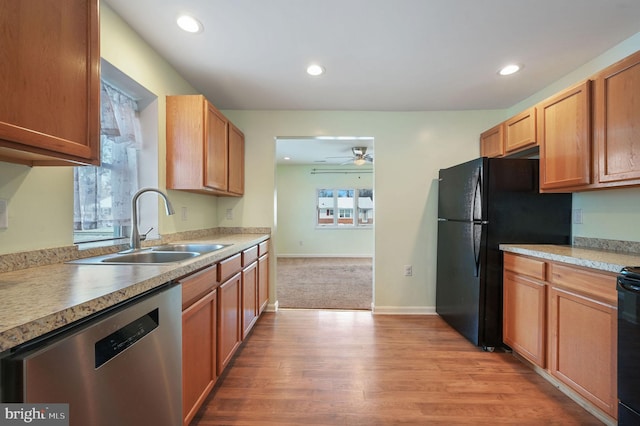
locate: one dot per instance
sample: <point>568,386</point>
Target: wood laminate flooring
<point>318,367</point>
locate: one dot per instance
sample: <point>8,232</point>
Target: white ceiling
<point>379,55</point>
<point>322,151</point>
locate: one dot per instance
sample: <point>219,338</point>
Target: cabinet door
<point>564,133</point>
<point>492,143</point>
<point>236,160</point>
<point>199,371</point>
<point>520,131</point>
<point>263,282</point>
<point>617,121</point>
<point>249,297</point>
<point>583,344</point>
<point>50,82</point>
<point>215,149</point>
<point>524,317</point>
<point>229,305</point>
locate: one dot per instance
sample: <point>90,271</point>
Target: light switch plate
<point>577,216</point>
<point>4,215</point>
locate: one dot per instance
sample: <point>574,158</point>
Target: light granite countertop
<point>604,260</point>
<point>41,299</point>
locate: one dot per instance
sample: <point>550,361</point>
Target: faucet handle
<point>144,236</point>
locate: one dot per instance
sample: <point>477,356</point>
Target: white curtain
<point>103,194</point>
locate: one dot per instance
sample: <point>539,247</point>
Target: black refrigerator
<point>482,204</point>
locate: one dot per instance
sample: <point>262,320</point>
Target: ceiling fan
<point>359,157</point>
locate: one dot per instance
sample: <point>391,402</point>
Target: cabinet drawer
<point>229,266</point>
<point>197,285</point>
<point>249,256</point>
<point>525,266</point>
<point>599,285</point>
<point>263,248</point>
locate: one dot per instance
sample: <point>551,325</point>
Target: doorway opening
<point>325,219</point>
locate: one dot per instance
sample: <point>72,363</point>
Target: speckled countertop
<point>604,260</point>
<point>41,299</point>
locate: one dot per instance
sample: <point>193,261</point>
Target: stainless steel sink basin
<point>193,247</point>
<point>145,257</point>
<point>151,257</point>
<point>168,253</point>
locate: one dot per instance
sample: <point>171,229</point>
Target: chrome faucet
<point>135,235</point>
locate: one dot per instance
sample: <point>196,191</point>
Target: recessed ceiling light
<point>189,24</point>
<point>315,70</point>
<point>509,69</point>
<point>286,158</point>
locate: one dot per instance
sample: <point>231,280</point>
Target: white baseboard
<point>272,307</point>
<point>403,310</point>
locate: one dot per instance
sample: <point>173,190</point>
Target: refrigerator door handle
<point>477,238</point>
<point>476,213</point>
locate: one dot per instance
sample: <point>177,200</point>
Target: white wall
<point>296,214</point>
<point>125,50</point>
<point>410,149</point>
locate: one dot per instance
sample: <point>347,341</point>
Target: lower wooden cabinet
<point>263,282</point>
<point>524,313</point>
<point>583,333</point>
<point>216,318</point>
<point>249,297</point>
<point>199,371</point>
<point>199,339</point>
<point>572,331</point>
<point>229,309</point>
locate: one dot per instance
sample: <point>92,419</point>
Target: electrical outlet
<point>4,215</point>
<point>408,270</point>
<point>577,216</point>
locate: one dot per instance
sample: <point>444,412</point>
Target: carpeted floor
<point>325,283</point>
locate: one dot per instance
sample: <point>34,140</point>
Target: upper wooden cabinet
<point>236,160</point>
<point>520,131</point>
<point>510,137</point>
<point>492,142</point>
<point>564,133</point>
<point>50,82</point>
<point>617,122</point>
<point>205,152</point>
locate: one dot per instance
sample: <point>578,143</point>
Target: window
<point>346,202</point>
<point>102,195</point>
<point>129,153</point>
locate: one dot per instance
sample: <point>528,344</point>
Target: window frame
<point>147,171</point>
<point>337,212</point>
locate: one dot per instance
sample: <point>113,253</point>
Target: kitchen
<point>404,154</point>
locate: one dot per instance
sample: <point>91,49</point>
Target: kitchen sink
<point>150,257</point>
<point>167,253</point>
<point>193,247</point>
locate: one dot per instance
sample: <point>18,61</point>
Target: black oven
<point>629,346</point>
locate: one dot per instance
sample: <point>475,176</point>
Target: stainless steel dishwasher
<point>122,367</point>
